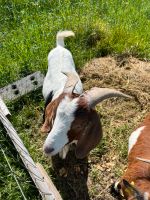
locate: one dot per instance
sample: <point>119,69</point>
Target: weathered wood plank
<point>49,181</point>
<point>3,107</point>
<point>23,86</point>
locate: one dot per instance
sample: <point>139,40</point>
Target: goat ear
<point>48,119</point>
<point>48,123</point>
<point>46,127</point>
<point>89,139</point>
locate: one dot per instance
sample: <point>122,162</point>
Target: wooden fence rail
<point>44,184</point>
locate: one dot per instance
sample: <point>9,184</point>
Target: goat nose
<point>48,150</point>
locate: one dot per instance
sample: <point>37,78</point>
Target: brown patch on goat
<point>81,120</point>
<point>50,114</point>
<point>87,130</point>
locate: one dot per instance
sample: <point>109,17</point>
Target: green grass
<point>27,33</point>
<point>28,30</point>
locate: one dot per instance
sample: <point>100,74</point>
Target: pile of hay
<point>127,74</point>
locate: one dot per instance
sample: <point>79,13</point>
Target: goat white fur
<point>59,60</point>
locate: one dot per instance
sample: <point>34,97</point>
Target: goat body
<point>138,172</point>
<point>59,60</point>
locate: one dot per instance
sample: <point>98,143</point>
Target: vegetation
<point>27,33</point>
<point>28,30</point>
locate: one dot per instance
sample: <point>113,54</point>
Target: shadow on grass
<point>71,176</point>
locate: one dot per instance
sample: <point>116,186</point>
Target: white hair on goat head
<point>58,137</point>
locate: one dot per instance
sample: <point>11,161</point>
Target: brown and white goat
<point>135,182</point>
<point>72,117</point>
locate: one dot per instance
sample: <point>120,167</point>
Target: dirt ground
<point>92,177</point>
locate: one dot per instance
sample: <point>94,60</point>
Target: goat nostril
<point>48,150</point>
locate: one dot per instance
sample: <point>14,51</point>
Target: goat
<point>135,182</point>
<point>72,117</point>
<point>59,59</point>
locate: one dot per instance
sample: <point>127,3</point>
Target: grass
<point>27,33</point>
<point>28,30</point>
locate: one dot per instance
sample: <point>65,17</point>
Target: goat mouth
<point>50,151</point>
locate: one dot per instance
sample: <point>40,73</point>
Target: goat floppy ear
<point>46,127</point>
<point>48,123</point>
<point>89,139</point>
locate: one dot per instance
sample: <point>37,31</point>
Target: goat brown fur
<point>138,171</point>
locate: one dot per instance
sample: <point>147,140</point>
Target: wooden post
<point>49,181</point>
<point>4,108</point>
<point>47,190</point>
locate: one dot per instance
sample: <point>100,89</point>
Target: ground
<point>92,177</point>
